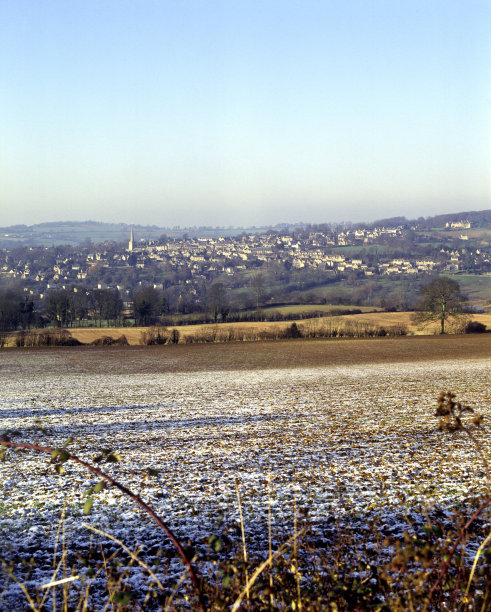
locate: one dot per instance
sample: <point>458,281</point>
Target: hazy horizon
<point>243,113</point>
<point>134,220</point>
<point>276,223</point>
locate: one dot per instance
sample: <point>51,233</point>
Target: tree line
<point>60,308</point>
<point>16,310</point>
<point>440,300</point>
<point>71,306</point>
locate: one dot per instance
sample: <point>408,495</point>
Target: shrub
<point>20,339</point>
<point>293,331</point>
<point>155,335</point>
<point>47,337</point>
<point>108,341</point>
<point>121,341</point>
<point>475,327</point>
<point>102,341</point>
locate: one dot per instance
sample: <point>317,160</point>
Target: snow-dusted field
<point>342,441</point>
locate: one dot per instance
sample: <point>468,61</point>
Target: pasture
<point>316,308</point>
<point>337,434</point>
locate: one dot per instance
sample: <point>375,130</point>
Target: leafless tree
<point>441,299</point>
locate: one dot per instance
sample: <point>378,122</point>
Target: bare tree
<point>57,307</point>
<point>441,300</point>
<point>258,284</point>
<point>216,298</point>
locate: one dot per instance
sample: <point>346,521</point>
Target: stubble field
<point>344,430</point>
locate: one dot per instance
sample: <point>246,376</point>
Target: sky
<point>243,112</point>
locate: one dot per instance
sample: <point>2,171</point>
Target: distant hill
<point>478,218</point>
<point>62,232</point>
<point>78,232</point>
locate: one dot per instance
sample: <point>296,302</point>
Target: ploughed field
<point>344,430</point>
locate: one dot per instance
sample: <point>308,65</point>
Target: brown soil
<point>246,355</point>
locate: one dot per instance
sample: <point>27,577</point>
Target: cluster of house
<point>227,255</point>
<point>205,258</point>
<point>312,251</point>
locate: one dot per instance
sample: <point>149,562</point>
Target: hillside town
<point>208,257</point>
<point>254,268</point>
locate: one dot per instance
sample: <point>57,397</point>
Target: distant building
<point>458,225</point>
<point>131,242</point>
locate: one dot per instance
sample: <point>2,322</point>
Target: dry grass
<point>89,334</point>
<point>404,318</point>
<point>387,319</point>
<point>375,319</point>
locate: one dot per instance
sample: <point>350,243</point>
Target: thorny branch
<point>145,507</point>
<point>451,413</point>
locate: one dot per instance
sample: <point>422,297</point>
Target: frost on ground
<point>344,443</point>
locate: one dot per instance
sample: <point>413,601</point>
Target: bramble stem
<point>136,498</point>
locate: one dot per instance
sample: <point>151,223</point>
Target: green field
<point>309,308</point>
<point>476,287</point>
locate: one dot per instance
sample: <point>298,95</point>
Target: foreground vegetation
<point>318,567</point>
<point>319,488</point>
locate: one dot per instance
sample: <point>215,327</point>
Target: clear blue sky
<point>243,111</point>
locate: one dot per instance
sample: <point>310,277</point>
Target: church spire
<point>130,244</point>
